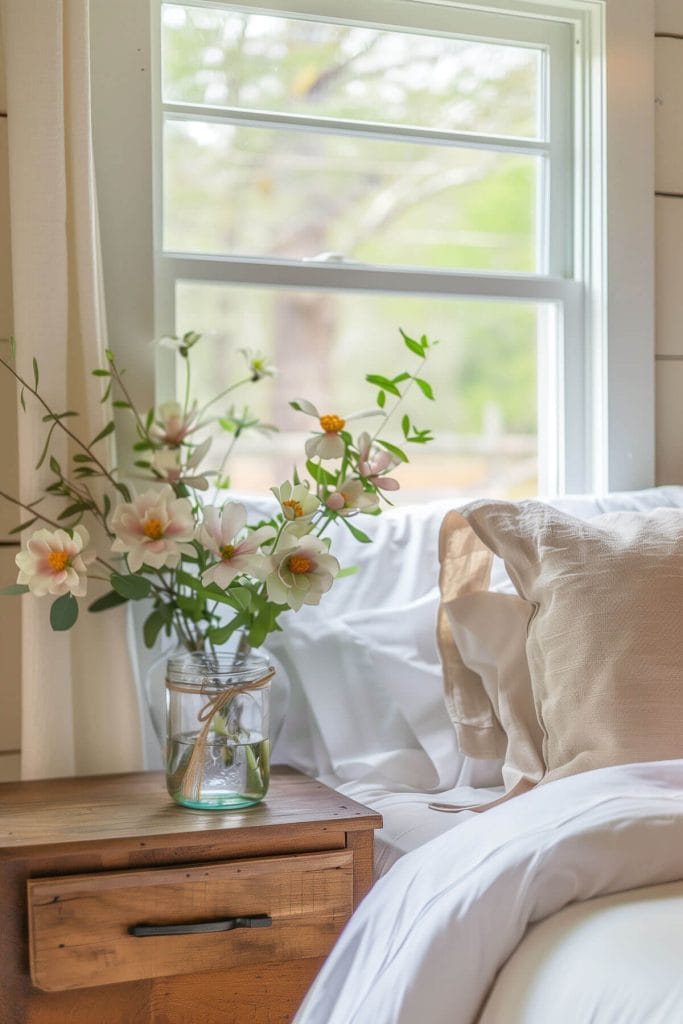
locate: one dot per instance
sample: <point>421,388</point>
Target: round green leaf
<point>64,612</point>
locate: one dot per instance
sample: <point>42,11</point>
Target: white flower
<point>167,464</point>
<point>257,365</point>
<point>329,444</point>
<point>350,497</point>
<point>55,563</point>
<point>301,571</point>
<point>374,462</point>
<point>296,501</point>
<point>153,529</point>
<point>220,533</point>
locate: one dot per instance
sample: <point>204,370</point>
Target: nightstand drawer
<point>79,925</point>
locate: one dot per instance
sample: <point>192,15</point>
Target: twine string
<point>193,776</point>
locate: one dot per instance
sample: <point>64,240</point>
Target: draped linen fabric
<point>80,711</point>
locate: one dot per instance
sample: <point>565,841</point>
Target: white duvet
<point>427,943</point>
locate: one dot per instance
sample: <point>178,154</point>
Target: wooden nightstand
<point>82,861</point>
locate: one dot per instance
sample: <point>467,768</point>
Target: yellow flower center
<point>227,551</point>
<point>58,560</point>
<point>153,529</point>
<point>300,564</point>
<point>332,424</point>
<point>296,507</point>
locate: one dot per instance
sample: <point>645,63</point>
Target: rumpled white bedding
<point>427,942</point>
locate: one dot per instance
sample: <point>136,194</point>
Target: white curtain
<point>80,712</point>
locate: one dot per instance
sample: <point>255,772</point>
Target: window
<point>321,178</point>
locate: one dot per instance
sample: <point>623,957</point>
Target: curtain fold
<point>80,712</point>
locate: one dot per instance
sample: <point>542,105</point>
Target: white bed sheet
<point>611,960</point>
<point>429,939</point>
<point>408,821</point>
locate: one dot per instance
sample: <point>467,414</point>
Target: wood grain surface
<point>78,926</point>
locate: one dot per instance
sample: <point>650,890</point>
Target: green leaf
<point>120,404</point>
<point>350,570</point>
<point>149,419</point>
<point>46,446</point>
<point>382,382</point>
<point>153,625</point>
<point>101,373</point>
<point>72,510</point>
<point>220,634</point>
<point>381,399</point>
<point>405,425</point>
<point>132,587</point>
<point>82,457</point>
<point>23,526</point>
<point>123,491</point>
<point>320,475</point>
<point>413,345</point>
<point>425,387</point>
<point>109,600</point>
<point>54,466</point>
<point>103,433</point>
<point>106,503</point>
<point>14,588</point>
<point>22,400</point>
<point>358,534</point>
<point>63,613</point>
<point>394,449</point>
<point>36,376</point>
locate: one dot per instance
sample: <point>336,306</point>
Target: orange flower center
<point>227,551</point>
<point>58,560</point>
<point>300,564</point>
<point>153,529</point>
<point>332,424</point>
<point>296,507</point>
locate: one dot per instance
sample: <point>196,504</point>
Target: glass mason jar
<point>217,721</point>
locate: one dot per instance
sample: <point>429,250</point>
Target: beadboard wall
<point>669,239</point>
<point>10,608</point>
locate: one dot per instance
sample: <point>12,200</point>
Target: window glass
<point>484,373</point>
<point>291,194</point>
<point>293,65</point>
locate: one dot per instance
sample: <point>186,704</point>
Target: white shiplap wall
<point>10,607</point>
<point>669,240</point>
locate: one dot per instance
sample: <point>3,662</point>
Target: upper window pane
<point>292,65</point>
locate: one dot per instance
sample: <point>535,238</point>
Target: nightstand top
<point>65,815</point>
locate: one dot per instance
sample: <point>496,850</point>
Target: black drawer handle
<point>228,924</point>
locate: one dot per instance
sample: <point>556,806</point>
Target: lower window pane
<point>484,374</point>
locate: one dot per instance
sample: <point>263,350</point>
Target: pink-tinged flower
<point>301,571</point>
<point>220,534</point>
<point>329,444</point>
<point>55,563</point>
<point>168,466</point>
<point>154,529</point>
<point>350,498</point>
<point>173,425</point>
<point>374,462</point>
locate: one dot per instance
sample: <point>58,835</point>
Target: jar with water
<point>217,721</point>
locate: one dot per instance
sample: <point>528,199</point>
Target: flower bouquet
<point>169,535</point>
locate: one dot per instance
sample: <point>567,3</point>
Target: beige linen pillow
<point>482,642</point>
<point>605,642</point>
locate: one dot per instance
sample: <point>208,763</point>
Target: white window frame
<point>602,281</point>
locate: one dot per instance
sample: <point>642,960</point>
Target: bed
<point>560,904</point>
